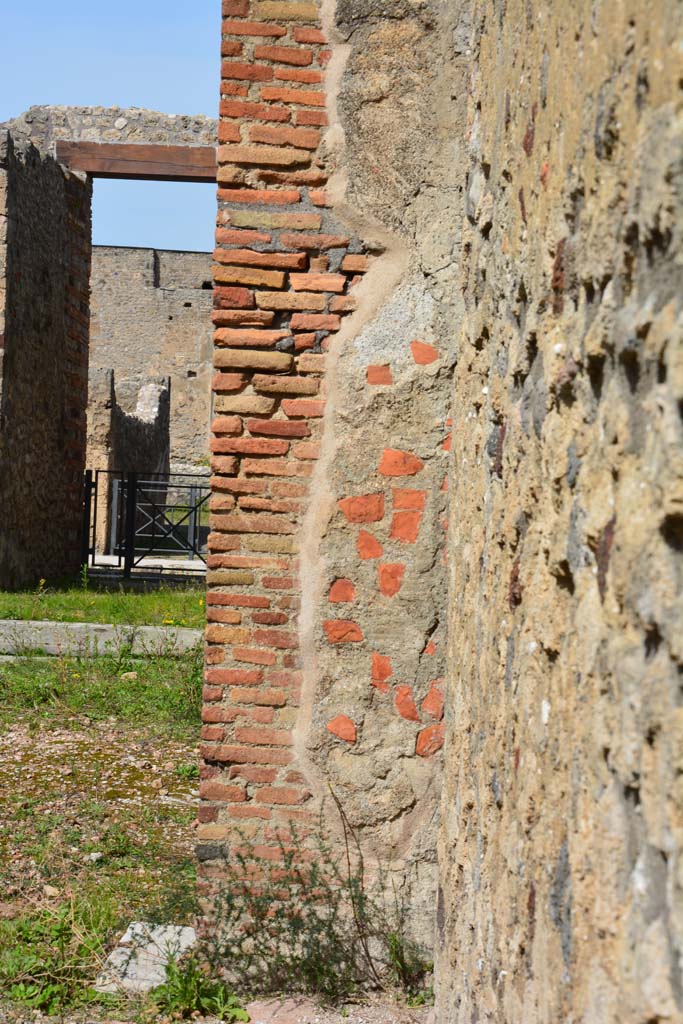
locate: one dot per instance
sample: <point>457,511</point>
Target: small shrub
<point>189,992</point>
<point>309,924</point>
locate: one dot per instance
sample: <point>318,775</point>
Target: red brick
<point>365,508</point>
<point>318,282</point>
<point>304,407</point>
<point>391,578</point>
<point>277,638</point>
<point>250,445</point>
<point>423,354</point>
<point>249,812</point>
<point>299,97</point>
<point>228,132</point>
<point>368,546</point>
<point>355,263</point>
<point>343,727</point>
<point>267,737</point>
<point>251,774</point>
<point>430,740</point>
<point>244,72</point>
<point>300,240</point>
<point>319,197</point>
<point>381,671</point>
<point>341,591</point>
<point>304,138</point>
<point>238,486</point>
<point>238,236</point>
<point>316,117</point>
<point>342,631</point>
<point>235,8</point>
<point>235,522</point>
<point>282,795</point>
<point>227,425</point>
<point>233,754</point>
<point>278,582</point>
<point>309,35</point>
<point>212,732</point>
<point>399,463</point>
<point>227,381</point>
<point>407,499</point>
<point>276,467</point>
<point>379,375</point>
<point>234,89</point>
<point>315,322</point>
<point>254,657</point>
<point>270,618</point>
<point>253,112</point>
<point>406,526</point>
<point>267,698</point>
<point>227,616</point>
<point>433,703</point>
<point>234,676</point>
<point>284,54</point>
<point>225,464</point>
<point>252,28</point>
<point>307,450</point>
<point>278,678</point>
<point>405,704</point>
<point>212,693</point>
<point>305,75</point>
<point>280,428</point>
<point>266,196</point>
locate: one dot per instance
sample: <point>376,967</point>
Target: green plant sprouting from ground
<point>189,991</point>
<point>309,923</point>
<point>46,961</point>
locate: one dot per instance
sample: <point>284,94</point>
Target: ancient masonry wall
<point>44,125</point>
<point>324,658</point>
<point>561,870</point>
<point>44,366</point>
<point>151,317</point>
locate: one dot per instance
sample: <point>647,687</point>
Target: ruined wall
<point>44,125</point>
<point>151,317</point>
<point>514,170</point>
<point>563,809</point>
<point>44,367</point>
<point>326,649</point>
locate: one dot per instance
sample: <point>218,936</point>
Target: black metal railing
<point>132,516</point>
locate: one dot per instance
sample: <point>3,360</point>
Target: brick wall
<point>324,654</point>
<point>45,366</point>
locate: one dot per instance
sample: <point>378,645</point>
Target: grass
<point>163,691</point>
<point>155,607</point>
<point>97,797</point>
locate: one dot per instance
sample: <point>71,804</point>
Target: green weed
<point>189,992</point>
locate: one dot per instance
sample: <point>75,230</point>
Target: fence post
<point>87,513</point>
<point>131,507</point>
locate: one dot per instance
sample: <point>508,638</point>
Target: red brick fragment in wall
<point>406,526</point>
<point>433,703</point>
<point>408,499</point>
<point>381,671</point>
<point>423,354</point>
<point>342,590</point>
<point>342,631</point>
<point>367,546</point>
<point>404,703</point>
<point>379,375</point>
<point>366,508</point>
<point>344,728</point>
<point>399,463</point>
<point>430,740</point>
<point>391,578</point>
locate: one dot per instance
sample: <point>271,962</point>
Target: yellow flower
<point>168,622</point>
<point>201,601</point>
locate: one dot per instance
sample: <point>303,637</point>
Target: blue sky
<point>148,53</point>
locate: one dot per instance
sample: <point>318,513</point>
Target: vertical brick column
<point>283,271</point>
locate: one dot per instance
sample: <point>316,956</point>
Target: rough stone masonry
<point>508,180</point>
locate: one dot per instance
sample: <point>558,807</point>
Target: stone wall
<point>44,125</point>
<point>46,256</point>
<point>151,317</point>
<point>562,883</point>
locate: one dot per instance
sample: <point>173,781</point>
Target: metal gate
<point>130,517</point>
